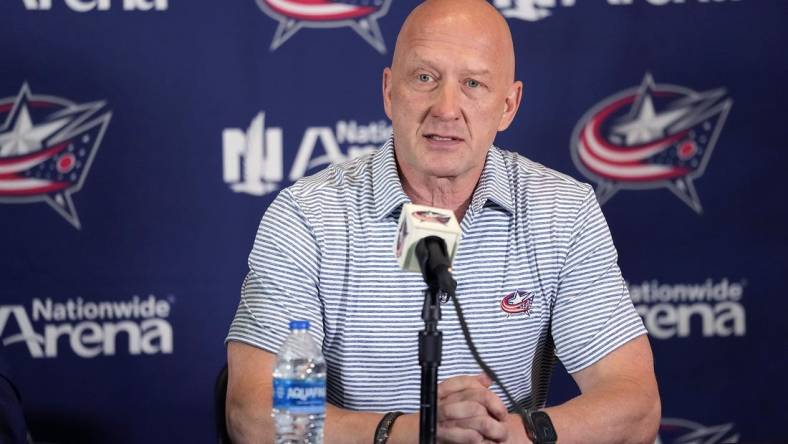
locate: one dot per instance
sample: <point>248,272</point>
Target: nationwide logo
<point>678,310</point>
<point>651,136</point>
<point>683,431</point>
<point>529,10</point>
<point>91,328</point>
<point>47,145</point>
<point>98,5</point>
<point>254,163</point>
<point>359,15</point>
<point>534,10</point>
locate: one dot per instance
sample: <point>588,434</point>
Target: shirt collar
<point>494,184</point>
<point>386,186</point>
<point>389,195</point>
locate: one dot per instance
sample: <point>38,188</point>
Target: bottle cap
<point>299,325</point>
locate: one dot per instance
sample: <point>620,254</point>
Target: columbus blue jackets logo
<point>47,145</point>
<point>359,15</point>
<point>682,431</point>
<point>518,301</point>
<point>651,136</point>
<point>432,216</point>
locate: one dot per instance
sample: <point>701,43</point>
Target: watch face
<point>543,427</point>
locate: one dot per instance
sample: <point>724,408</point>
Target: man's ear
<point>387,91</point>
<point>511,104</point>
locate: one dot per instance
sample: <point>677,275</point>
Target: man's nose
<point>447,102</point>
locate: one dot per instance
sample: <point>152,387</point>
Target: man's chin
<point>443,171</point>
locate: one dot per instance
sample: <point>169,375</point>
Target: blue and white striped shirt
<point>323,252</point>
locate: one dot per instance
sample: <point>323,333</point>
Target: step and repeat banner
<point>142,140</point>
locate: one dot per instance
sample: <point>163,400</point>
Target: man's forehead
<point>452,27</point>
<point>483,40</point>
<point>469,28</point>
<point>456,11</point>
<point>427,54</point>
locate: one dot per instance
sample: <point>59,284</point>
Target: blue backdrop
<point>141,141</point>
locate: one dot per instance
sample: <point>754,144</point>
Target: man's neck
<point>450,193</point>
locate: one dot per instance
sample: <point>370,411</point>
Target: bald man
<point>529,234</point>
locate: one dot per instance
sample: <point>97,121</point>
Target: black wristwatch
<point>539,428</point>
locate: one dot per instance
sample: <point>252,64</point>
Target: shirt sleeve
<point>593,313</point>
<point>282,282</point>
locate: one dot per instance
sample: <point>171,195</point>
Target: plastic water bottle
<point>299,407</point>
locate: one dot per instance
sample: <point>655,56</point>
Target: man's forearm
<point>351,427</point>
<point>621,412</point>
<point>248,424</point>
<point>342,426</point>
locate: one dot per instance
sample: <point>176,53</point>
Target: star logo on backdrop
<point>359,15</point>
<point>650,136</point>
<point>683,431</point>
<point>645,125</point>
<point>47,145</point>
<point>24,137</point>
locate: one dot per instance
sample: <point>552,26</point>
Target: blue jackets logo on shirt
<point>518,301</point>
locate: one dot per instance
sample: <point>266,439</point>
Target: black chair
<point>219,398</point>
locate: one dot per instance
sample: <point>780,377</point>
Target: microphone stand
<point>432,257</point>
<point>436,270</point>
<point>430,347</point>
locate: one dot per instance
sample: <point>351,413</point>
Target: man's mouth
<point>442,137</point>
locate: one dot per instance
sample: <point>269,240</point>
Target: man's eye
<point>424,77</point>
<point>473,83</point>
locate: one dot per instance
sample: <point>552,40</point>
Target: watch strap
<point>539,427</point>
<point>383,430</point>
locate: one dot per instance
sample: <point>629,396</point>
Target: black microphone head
<point>434,262</point>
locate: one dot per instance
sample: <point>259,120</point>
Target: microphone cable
<point>436,270</point>
<point>525,414</point>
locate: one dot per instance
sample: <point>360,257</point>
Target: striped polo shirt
<point>536,272</point>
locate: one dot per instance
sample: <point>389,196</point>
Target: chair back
<point>219,400</point>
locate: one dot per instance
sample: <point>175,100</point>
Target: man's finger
<point>458,383</point>
<point>446,433</point>
<point>487,427</point>
<point>484,397</point>
<point>461,410</point>
<point>484,379</point>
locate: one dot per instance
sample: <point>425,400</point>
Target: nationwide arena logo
<point>47,145</point>
<point>680,310</point>
<point>529,10</point>
<point>359,15</point>
<point>89,328</point>
<point>534,10</point>
<point>253,159</point>
<point>683,431</point>
<point>651,136</point>
<point>99,5</point>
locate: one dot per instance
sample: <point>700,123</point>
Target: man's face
<point>448,92</point>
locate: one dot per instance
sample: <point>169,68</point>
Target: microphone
<point>427,240</point>
<point>435,264</point>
